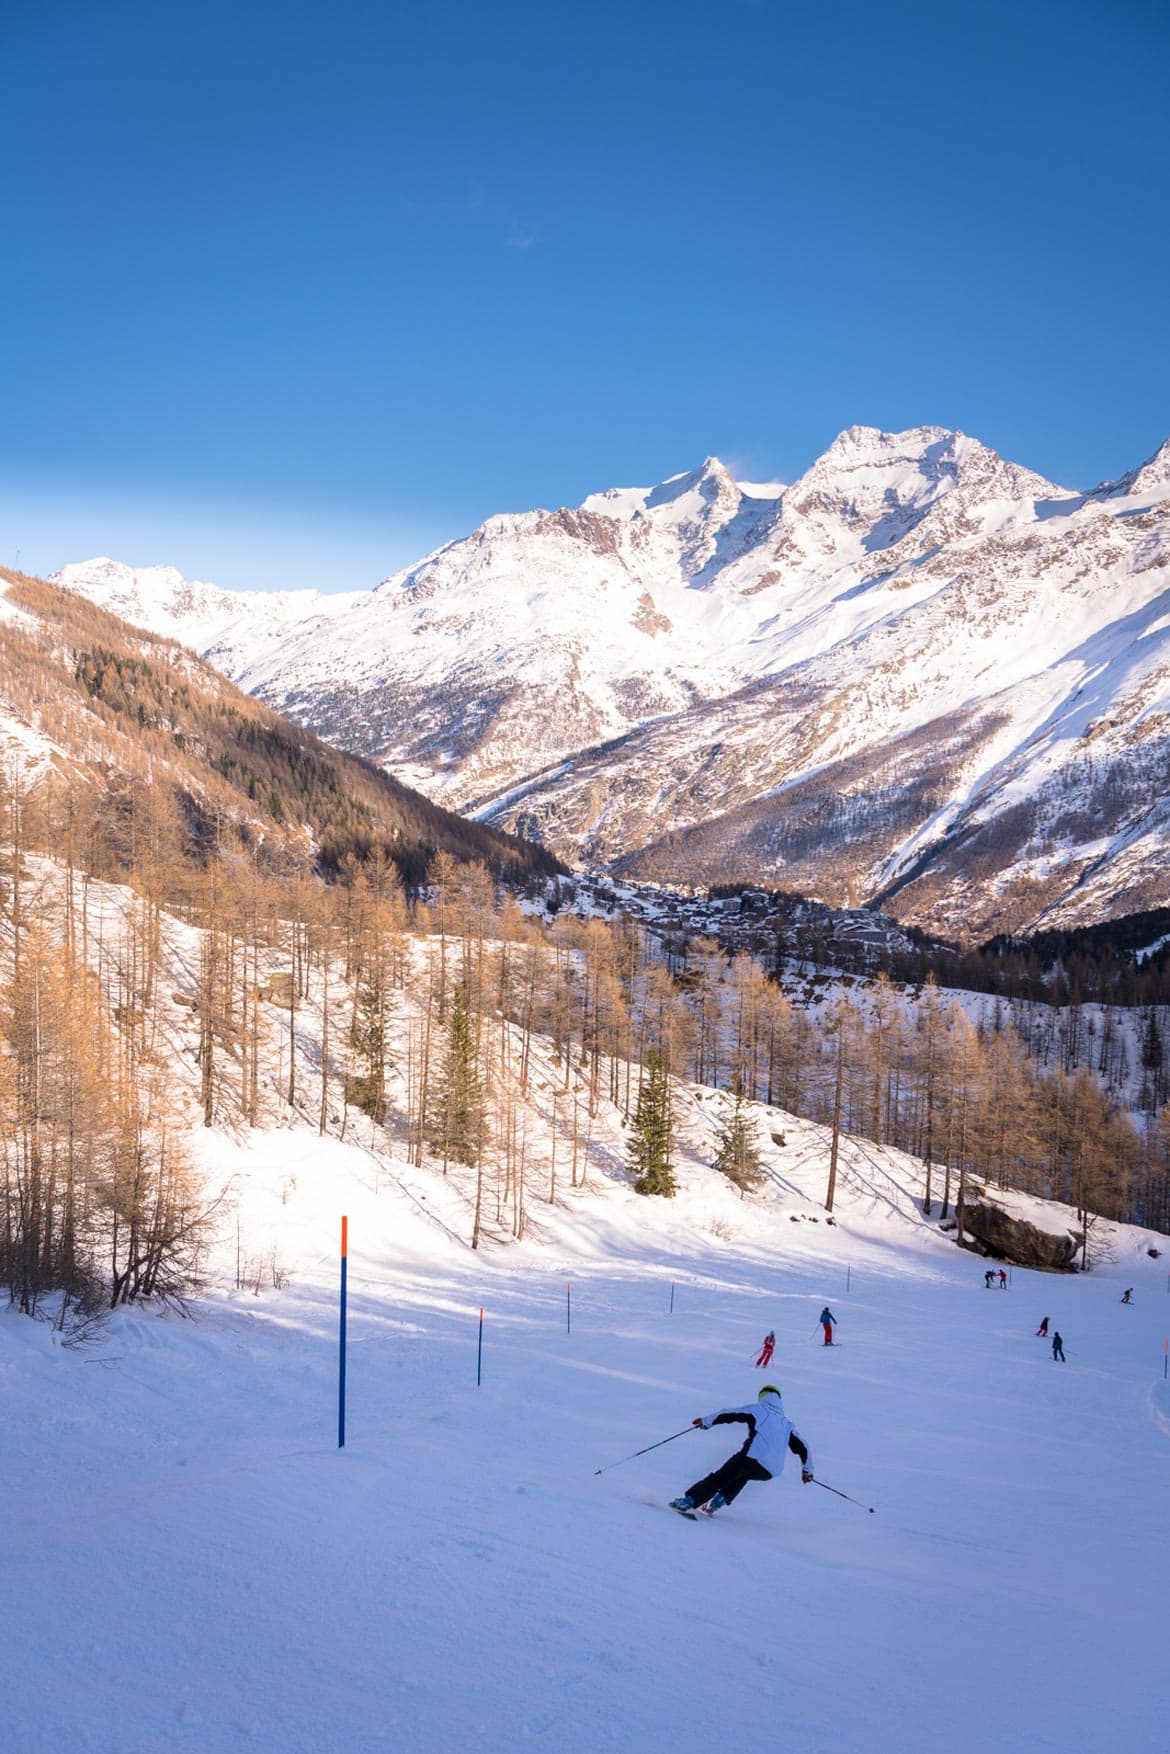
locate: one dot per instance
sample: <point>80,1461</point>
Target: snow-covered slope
<point>192,1563</point>
<point>915,648</point>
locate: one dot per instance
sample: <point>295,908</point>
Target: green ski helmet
<point>769,1388</point>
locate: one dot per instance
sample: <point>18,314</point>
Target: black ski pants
<point>730,1479</point>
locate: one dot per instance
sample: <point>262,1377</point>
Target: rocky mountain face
<point>920,674</point>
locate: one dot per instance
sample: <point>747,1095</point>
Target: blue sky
<point>293,291</point>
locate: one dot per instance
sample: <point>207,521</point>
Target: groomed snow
<point>192,1565</point>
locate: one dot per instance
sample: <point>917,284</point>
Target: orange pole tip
<point>344,1237</point>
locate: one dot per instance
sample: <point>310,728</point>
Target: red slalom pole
<point>341,1336</point>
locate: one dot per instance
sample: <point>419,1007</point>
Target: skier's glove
<point>806,1475</point>
<point>696,1422</point>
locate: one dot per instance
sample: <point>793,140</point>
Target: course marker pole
<point>1165,1358</point>
<point>848,1275</point>
<point>341,1336</point>
<point>479,1354</point>
<point>568,1309</point>
<point>672,1296</point>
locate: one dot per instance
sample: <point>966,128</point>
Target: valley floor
<point>192,1565</point>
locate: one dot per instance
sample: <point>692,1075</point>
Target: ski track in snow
<point>192,1564</point>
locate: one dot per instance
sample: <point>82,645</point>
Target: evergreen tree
<point>459,1115</point>
<point>738,1156</point>
<point>648,1153</point>
<point>368,1039</point>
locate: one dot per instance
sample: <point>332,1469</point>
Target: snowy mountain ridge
<point>829,685</point>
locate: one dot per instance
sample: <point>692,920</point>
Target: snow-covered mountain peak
<point>1149,481</point>
<point>871,489</point>
<point>864,468</point>
<point>150,596</point>
<point>709,480</point>
<point>1157,469</point>
<point>142,583</point>
<point>194,612</point>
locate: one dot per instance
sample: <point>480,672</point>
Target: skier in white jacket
<point>771,1435</point>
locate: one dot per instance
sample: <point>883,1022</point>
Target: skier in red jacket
<point>767,1349</point>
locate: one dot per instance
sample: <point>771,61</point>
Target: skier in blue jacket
<point>771,1435</point>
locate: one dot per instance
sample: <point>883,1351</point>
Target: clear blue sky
<point>294,290</point>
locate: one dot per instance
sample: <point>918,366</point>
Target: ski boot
<point>714,1503</point>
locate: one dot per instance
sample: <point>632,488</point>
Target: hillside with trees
<point>156,758</point>
<point>209,920</point>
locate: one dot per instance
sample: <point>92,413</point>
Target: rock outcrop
<point>991,1230</point>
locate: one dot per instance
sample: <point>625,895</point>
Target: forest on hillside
<point>155,750</point>
<point>1123,961</point>
<point>220,990</point>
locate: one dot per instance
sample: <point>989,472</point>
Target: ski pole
<point>642,1452</point>
<point>845,1495</point>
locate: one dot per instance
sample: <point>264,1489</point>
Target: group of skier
<point>772,1437</point>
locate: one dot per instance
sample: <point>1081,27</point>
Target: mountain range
<point>919,675</point>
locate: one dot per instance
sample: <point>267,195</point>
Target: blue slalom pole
<point>672,1297</point>
<point>479,1354</point>
<point>341,1336</point>
<point>568,1309</point>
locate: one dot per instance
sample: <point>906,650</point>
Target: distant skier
<point>1128,1296</point>
<point>766,1350</point>
<point>1042,1330</point>
<point>1002,1280</point>
<point>828,1323</point>
<point>1058,1349</point>
<point>989,1278</point>
<point>771,1435</point>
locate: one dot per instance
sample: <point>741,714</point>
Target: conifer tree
<point>649,1150</point>
<point>738,1156</point>
<point>459,1114</point>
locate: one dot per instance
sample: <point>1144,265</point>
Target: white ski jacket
<point>771,1434</point>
